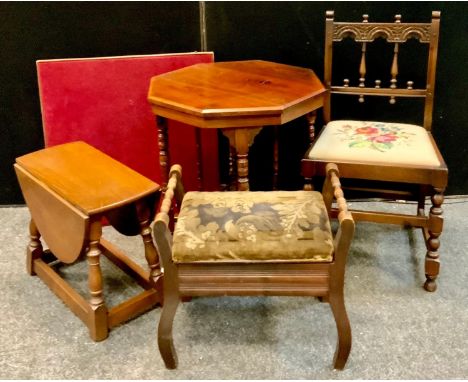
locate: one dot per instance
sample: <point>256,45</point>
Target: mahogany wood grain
<point>233,95</point>
<point>54,182</point>
<point>255,278</point>
<point>67,240</point>
<point>118,184</point>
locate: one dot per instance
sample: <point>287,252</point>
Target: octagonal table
<point>239,97</point>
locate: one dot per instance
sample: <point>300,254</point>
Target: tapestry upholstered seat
<point>276,243</point>
<point>281,225</point>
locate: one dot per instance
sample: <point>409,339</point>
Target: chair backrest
<point>395,33</point>
<point>103,101</point>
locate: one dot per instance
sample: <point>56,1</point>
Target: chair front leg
<point>436,221</point>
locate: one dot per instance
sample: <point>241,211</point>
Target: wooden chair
<point>395,154</point>
<point>69,189</point>
<point>276,243</point>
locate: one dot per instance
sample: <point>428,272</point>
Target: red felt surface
<point>103,101</point>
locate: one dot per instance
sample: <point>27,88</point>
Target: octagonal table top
<point>236,94</point>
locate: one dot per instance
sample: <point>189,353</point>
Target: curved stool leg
<point>165,340</point>
<point>343,327</point>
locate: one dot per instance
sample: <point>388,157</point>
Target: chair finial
<point>436,14</point>
<point>330,15</point>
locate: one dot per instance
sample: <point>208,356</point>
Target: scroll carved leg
<point>343,327</point>
<point>34,250</point>
<point>163,148</point>
<point>436,221</point>
<point>151,253</point>
<point>98,323</point>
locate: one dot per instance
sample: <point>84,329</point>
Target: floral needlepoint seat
<point>274,226</point>
<point>376,142</point>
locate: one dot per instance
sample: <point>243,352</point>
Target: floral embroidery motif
<point>252,226</point>
<point>378,136</point>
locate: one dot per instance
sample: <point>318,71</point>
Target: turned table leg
<point>98,314</point>
<point>151,253</point>
<point>241,139</point>
<point>34,250</point>
<point>163,148</point>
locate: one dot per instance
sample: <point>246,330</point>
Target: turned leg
<point>308,186</point>
<point>243,172</point>
<point>163,148</point>
<point>311,117</point>
<point>436,221</point>
<point>199,159</point>
<point>275,157</point>
<point>232,169</point>
<point>423,191</point>
<point>34,250</point>
<point>151,253</point>
<point>165,340</point>
<point>241,139</point>
<point>343,327</point>
<point>98,323</point>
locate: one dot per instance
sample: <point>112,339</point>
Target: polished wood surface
<point>240,95</point>
<point>118,184</point>
<point>431,180</point>
<point>54,182</point>
<point>235,94</point>
<point>260,278</point>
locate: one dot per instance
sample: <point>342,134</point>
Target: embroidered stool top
<point>253,226</point>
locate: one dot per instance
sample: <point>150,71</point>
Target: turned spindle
<point>377,84</point>
<point>362,66</point>
<point>394,70</point>
<point>163,147</point>
<point>346,83</point>
<point>410,85</point>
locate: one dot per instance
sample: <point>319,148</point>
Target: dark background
<point>286,32</point>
